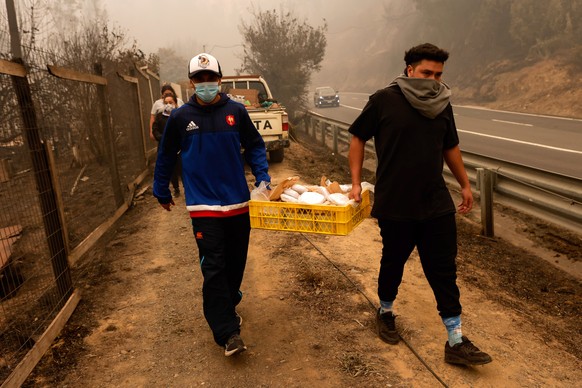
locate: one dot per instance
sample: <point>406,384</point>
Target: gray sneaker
<point>387,327</point>
<point>234,345</point>
<point>465,353</point>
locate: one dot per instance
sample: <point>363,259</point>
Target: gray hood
<point>428,96</point>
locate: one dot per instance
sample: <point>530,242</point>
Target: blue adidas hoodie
<point>210,139</point>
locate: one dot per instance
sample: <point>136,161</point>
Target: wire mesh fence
<point>72,142</point>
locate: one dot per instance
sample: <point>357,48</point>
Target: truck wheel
<point>277,156</point>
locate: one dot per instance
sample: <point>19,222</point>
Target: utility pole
<point>13,28</point>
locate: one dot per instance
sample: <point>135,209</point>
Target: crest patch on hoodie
<point>230,120</point>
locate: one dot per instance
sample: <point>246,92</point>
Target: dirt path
<point>307,316</point>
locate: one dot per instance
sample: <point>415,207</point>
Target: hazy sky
<point>192,25</point>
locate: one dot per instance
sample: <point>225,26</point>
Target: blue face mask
<point>206,91</point>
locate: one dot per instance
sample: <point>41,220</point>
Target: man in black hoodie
<point>412,123</point>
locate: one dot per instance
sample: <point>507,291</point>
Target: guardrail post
<point>323,129</point>
<point>334,131</point>
<point>485,187</point>
<point>314,126</point>
<point>315,129</point>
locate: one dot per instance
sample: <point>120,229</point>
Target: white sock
<point>453,325</point>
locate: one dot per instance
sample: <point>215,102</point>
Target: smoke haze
<point>190,27</point>
<point>489,40</point>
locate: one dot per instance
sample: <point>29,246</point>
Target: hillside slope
<point>546,87</point>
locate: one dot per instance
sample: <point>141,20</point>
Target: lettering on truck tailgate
<point>267,124</point>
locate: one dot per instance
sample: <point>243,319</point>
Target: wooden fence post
<point>45,188</point>
<point>48,146</point>
<point>109,138</point>
<point>139,136</point>
<point>145,123</point>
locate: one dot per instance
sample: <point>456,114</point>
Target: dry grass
<point>355,364</point>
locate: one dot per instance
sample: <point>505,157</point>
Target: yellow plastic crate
<point>295,217</point>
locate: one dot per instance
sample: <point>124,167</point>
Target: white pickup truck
<point>267,114</point>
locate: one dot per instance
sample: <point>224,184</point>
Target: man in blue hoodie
<point>412,123</point>
<point>209,130</point>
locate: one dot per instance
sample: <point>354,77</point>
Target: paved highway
<point>543,142</point>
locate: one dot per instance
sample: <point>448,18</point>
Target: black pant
<point>222,246</point>
<point>436,242</point>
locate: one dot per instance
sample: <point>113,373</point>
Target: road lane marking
<point>512,122</point>
<point>351,107</point>
<point>363,94</point>
<point>521,142</point>
<point>518,113</point>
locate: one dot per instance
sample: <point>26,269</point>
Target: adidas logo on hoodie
<point>192,126</point>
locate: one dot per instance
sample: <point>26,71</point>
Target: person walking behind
<point>170,103</point>
<point>158,105</point>
<point>412,123</point>
<point>209,130</point>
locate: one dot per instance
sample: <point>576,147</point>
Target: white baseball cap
<point>204,62</point>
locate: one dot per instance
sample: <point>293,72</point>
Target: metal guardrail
<point>549,196</point>
<point>322,127</point>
